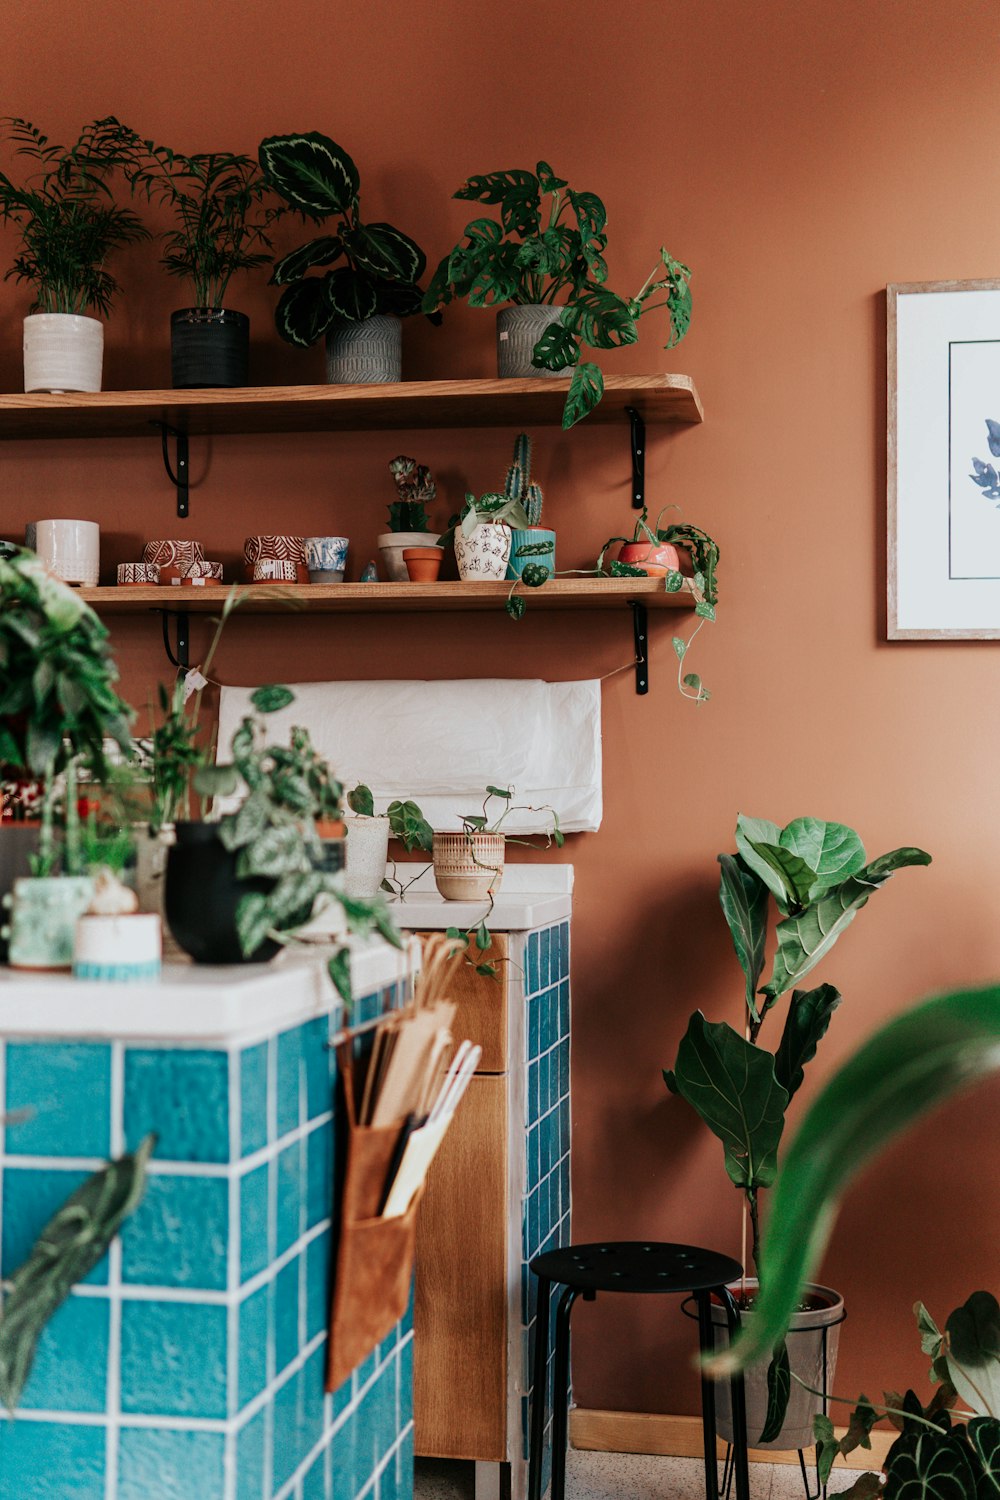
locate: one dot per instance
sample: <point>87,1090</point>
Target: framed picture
<point>944,461</point>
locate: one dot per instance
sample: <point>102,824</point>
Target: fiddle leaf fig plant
<point>549,248</point>
<point>378,267</point>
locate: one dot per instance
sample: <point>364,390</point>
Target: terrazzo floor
<point>627,1476</point>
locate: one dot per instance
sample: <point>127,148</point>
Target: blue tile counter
<point>190,1363</point>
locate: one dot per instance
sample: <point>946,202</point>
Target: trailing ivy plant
<point>66,214</point>
<point>220,203</point>
<point>378,267</point>
<point>553,252</point>
<point>819,878</point>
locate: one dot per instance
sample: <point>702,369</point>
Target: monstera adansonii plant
<point>377,267</point>
<point>820,878</point>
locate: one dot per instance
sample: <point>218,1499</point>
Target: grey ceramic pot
<point>367,353</point>
<point>518,331</point>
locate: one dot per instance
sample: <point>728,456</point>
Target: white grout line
<point>114,1284</point>
<point>233,1247</point>
<point>99,1419</point>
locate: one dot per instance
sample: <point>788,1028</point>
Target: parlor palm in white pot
<point>69,225</point>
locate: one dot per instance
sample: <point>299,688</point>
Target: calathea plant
<point>819,877</point>
<point>553,252</point>
<point>378,267</point>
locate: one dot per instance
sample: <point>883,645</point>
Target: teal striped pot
<point>534,537</point>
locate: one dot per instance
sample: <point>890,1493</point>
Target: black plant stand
<point>637,1267</point>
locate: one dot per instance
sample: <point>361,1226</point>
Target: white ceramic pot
<point>62,352</point>
<point>468,866</point>
<point>43,917</point>
<point>392,544</point>
<point>367,852</point>
<point>70,549</point>
<point>120,948</point>
<point>484,554</point>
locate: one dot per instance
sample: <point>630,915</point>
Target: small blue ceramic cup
<point>326,555</point>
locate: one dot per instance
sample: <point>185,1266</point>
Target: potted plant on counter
<point>820,878</point>
<point>69,225</point>
<point>223,219</point>
<point>357,306</point>
<point>368,835</point>
<point>533,544</point>
<point>547,261</point>
<point>409,525</point>
<point>469,865</point>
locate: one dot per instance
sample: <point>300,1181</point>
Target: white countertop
<point>196,1003</point>
<point>530,896</point>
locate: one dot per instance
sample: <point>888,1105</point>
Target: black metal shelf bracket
<point>178,478</point>
<point>640,629</point>
<point>638,426</point>
<point>181,659</point>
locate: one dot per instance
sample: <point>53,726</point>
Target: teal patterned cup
<point>537,545</point>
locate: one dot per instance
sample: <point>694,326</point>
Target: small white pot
<point>468,866</point>
<point>62,352</point>
<point>391,545</point>
<point>367,853</point>
<point>484,554</point>
<point>70,549</point>
<point>121,948</point>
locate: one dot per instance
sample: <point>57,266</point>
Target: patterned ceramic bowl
<point>138,573</point>
<point>326,554</point>
<point>284,548</point>
<point>275,570</point>
<point>166,552</point>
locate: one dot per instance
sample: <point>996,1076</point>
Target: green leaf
<point>273,852</point>
<point>984,1434</point>
<point>600,318</point>
<point>248,822</point>
<point>907,1068</point>
<point>973,1348</point>
<point>72,1243</point>
<point>506,792</point>
<point>833,850</point>
<point>483,939</point>
<point>827,1446</point>
<point>791,879</point>
<point>253,921</point>
<point>386,251</point>
<point>779,1386</point>
<point>751,831</point>
<point>517,194</point>
<point>557,349</point>
<point>339,969</point>
<point>806,938</point>
<point>216,781</point>
<point>680,646</point>
<point>361,801</point>
<point>350,295</point>
<point>303,313</point>
<point>585,391</point>
<point>408,823</point>
<point>929,1465</point>
<point>515,607</point>
<point>932,1343</point>
<point>809,1016</point>
<point>269,700</point>
<point>743,897</point>
<point>310,171</point>
<point>591,215</point>
<point>731,1085</point>
<point>547,179</point>
<point>319,252</point>
<point>865,1487</point>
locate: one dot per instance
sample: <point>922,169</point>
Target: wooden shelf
<point>330,408</point>
<point>393,598</point>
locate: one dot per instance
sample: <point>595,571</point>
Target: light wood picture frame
<point>943,460</point>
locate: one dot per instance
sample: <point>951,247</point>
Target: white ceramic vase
<point>391,545</point>
<point>367,852</point>
<point>62,352</point>
<point>70,549</point>
<point>484,554</point>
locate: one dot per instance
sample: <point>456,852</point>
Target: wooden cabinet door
<point>482,1003</point>
<point>460,1318</point>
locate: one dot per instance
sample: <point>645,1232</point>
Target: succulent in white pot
<point>482,535</point>
<point>69,225</point>
<point>408,519</point>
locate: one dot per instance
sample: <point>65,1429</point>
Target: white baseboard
<point>681,1437</point>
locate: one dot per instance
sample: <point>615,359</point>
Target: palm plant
<point>68,219</point>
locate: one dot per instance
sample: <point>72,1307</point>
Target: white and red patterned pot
<point>278,549</point>
<point>484,554</point>
<point>138,573</point>
<point>468,866</point>
<point>274,570</point>
<point>166,553</point>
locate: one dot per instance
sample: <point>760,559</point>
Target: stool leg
<point>560,1394</point>
<point>738,1401</point>
<point>539,1382</point>
<point>706,1342</point>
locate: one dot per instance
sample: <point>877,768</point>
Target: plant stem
<point>751,1198</point>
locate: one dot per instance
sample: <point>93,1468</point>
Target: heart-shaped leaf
<point>973,1350</point>
<point>310,171</point>
<point>925,1465</point>
<point>350,295</point>
<point>361,801</point>
<point>303,313</point>
<point>984,1433</point>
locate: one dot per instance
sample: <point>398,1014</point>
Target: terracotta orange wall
<point>799,157</point>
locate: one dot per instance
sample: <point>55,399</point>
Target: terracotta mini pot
<point>392,545</point>
<point>655,558</point>
<point>423,564</point>
<point>468,866</point>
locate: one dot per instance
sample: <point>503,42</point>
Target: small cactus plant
<point>519,484</point>
<point>414,487</point>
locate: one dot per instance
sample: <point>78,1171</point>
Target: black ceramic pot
<point>202,894</point>
<point>209,346</point>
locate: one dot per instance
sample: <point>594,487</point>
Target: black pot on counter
<point>202,896</point>
<point>209,346</point>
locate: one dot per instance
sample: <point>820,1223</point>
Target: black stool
<point>629,1266</point>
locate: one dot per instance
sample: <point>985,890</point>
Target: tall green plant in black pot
<point>358,305</point>
<point>223,212</point>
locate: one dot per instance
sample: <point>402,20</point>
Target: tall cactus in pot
<point>534,545</point>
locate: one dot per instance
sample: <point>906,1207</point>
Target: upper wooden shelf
<point>330,408</point>
<point>394,598</point>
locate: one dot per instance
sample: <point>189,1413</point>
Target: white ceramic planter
<point>367,853</point>
<point>120,948</point>
<point>484,554</point>
<point>468,866</point>
<point>70,549</point>
<point>62,352</point>
<point>43,917</point>
<point>391,545</point>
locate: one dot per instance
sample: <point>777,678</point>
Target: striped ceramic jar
<point>468,866</point>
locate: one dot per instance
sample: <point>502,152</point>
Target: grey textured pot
<point>367,353</point>
<point>518,331</point>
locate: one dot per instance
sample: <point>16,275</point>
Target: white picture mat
<point>944,535</point>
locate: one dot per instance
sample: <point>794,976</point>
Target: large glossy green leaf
<point>984,1434</point>
<point>751,831</point>
<point>809,1015</point>
<point>731,1085</point>
<point>973,1353</point>
<point>67,1250</point>
<point>556,349</point>
<point>907,1068</point>
<point>600,318</point>
<point>303,313</point>
<point>386,252</point>
<point>310,171</point>
<point>319,252</point>
<point>792,879</point>
<point>743,896</point>
<point>350,295</point>
<point>833,850</point>
<point>925,1465</point>
<point>585,391</point>
<point>807,937</point>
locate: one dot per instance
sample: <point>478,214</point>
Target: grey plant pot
<point>367,353</point>
<point>518,331</point>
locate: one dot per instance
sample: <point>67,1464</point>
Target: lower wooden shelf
<point>394,598</point>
